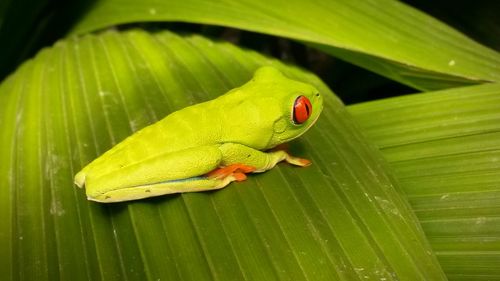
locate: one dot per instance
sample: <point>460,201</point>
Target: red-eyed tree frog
<point>208,145</point>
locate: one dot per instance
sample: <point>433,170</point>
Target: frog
<point>208,145</point>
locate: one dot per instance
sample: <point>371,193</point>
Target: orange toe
<point>231,169</point>
<point>304,162</point>
<point>239,176</point>
<point>244,168</point>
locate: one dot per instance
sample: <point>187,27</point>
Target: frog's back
<point>179,130</point>
<point>189,127</point>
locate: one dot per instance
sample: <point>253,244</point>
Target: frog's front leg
<point>238,159</point>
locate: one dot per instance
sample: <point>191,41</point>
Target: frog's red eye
<point>302,109</point>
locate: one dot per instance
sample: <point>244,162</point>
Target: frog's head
<point>292,107</point>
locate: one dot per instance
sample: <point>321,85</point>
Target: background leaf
<point>444,148</point>
<point>340,219</point>
<point>384,36</point>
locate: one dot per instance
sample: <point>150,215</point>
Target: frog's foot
<point>297,161</point>
<point>237,171</point>
<point>279,153</point>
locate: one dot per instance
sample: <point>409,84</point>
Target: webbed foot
<point>238,171</point>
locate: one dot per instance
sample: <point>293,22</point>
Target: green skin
<point>205,146</point>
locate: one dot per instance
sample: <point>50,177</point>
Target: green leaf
<point>340,219</point>
<point>444,148</point>
<point>385,36</point>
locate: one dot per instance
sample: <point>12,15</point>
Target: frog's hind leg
<point>180,171</point>
<point>201,183</point>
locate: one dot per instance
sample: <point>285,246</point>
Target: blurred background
<point>26,26</point>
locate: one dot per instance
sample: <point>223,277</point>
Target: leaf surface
<point>444,149</point>
<point>340,219</point>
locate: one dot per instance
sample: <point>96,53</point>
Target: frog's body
<point>208,145</point>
